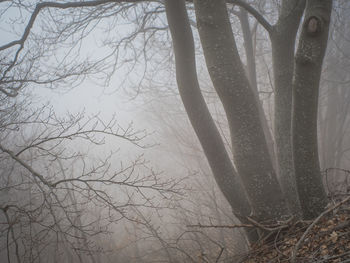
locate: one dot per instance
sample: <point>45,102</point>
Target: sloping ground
<point>325,239</point>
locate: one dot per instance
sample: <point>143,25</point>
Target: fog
<point>101,157</point>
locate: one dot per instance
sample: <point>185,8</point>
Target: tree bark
<point>283,37</point>
<point>249,146</point>
<point>251,72</point>
<point>308,66</point>
<point>198,113</point>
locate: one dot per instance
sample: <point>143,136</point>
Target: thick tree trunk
<point>250,151</point>
<point>308,65</point>
<point>283,36</point>
<point>198,113</point>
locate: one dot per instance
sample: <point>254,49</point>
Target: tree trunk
<point>251,72</point>
<point>283,36</point>
<point>249,146</point>
<point>197,110</point>
<point>308,66</point>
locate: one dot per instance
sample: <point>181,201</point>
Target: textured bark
<point>249,50</point>
<point>283,36</point>
<point>250,151</point>
<point>308,65</point>
<point>251,72</point>
<point>197,110</point>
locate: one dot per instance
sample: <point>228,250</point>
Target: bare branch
<point>43,5</point>
<point>222,226</point>
<point>30,169</point>
<point>251,10</point>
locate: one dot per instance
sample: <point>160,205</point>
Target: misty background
<point>125,177</point>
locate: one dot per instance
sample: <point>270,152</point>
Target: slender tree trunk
<point>250,151</point>
<point>308,66</point>
<point>251,72</point>
<point>283,36</point>
<point>197,110</point>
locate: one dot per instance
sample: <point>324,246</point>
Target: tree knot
<point>313,25</point>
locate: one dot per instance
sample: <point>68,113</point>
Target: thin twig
<point>253,224</point>
<point>222,226</point>
<point>219,256</point>
<point>271,228</point>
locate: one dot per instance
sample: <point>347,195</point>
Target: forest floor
<point>325,239</point>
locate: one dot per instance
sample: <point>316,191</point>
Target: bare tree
<point>250,182</point>
<point>56,197</point>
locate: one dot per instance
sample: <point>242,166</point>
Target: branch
<point>271,228</point>
<point>43,5</point>
<point>251,10</point>
<point>222,226</point>
<point>30,169</point>
<point>253,224</point>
